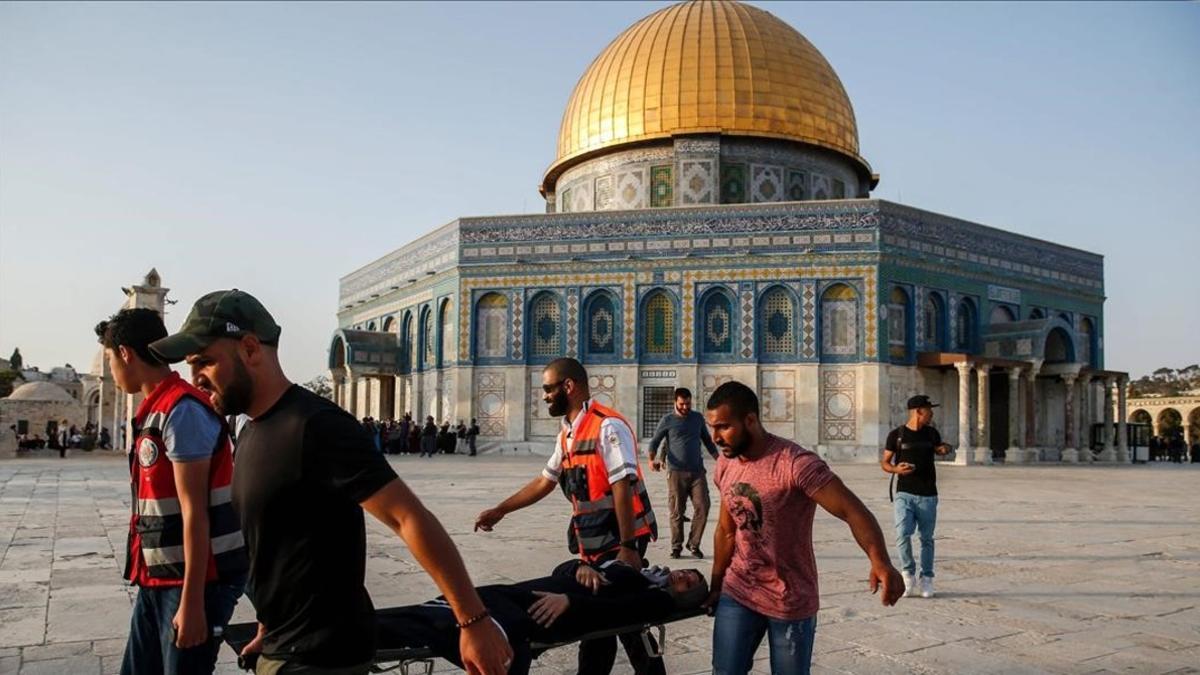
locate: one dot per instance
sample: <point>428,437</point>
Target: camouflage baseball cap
<point>220,314</point>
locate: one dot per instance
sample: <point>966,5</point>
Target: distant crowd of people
<point>1173,449</point>
<point>64,437</point>
<point>406,436</point>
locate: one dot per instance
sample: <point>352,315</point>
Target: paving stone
<point>56,651</point>
<point>78,665</point>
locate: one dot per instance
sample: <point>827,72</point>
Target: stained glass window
<point>448,351</point>
<point>778,320</point>
<point>427,339</point>
<point>964,327</point>
<point>897,322</point>
<point>491,325</point>
<point>839,321</point>
<point>718,324</point>
<point>546,328</point>
<point>935,321</point>
<point>659,326</point>
<point>601,325</point>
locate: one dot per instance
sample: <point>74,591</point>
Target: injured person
<point>574,601</point>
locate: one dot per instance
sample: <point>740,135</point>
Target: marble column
<point>1070,453</point>
<point>1122,436</point>
<point>352,388</point>
<point>983,450</point>
<point>1109,454</point>
<point>1013,453</point>
<point>964,455</point>
<point>1032,451</point>
<point>1083,439</point>
<point>100,409</point>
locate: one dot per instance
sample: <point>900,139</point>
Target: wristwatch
<point>630,544</point>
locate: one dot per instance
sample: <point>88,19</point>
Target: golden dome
<point>706,66</point>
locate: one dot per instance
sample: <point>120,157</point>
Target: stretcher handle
<point>426,667</point>
<point>654,651</point>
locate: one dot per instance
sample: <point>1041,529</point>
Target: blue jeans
<point>739,630</point>
<point>151,647</point>
<point>919,514</point>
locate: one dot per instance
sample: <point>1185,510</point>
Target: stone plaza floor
<point>1039,568</point>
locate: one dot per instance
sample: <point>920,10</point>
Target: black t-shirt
<point>916,448</point>
<point>302,469</point>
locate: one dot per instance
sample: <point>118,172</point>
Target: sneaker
<point>696,552</point>
<point>926,587</point>
<point>910,584</point>
<point>675,554</point>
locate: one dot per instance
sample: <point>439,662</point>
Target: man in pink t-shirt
<point>764,574</point>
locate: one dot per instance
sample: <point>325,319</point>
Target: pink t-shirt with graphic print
<point>773,571</point>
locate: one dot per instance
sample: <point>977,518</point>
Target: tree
<point>16,362</point>
<point>6,381</point>
<point>320,386</point>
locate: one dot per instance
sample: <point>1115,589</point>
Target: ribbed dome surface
<point>706,66</point>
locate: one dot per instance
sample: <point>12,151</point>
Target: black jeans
<point>596,657</point>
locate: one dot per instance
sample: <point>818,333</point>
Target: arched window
<point>964,326</point>
<point>389,324</point>
<point>897,322</point>
<point>1059,348</point>
<point>717,327</point>
<point>545,327</point>
<point>935,322</point>
<point>491,326</point>
<point>1001,314</point>
<point>446,353</point>
<point>1087,342</point>
<point>839,321</point>
<point>428,346</point>
<point>601,325</point>
<point>777,323</point>
<point>409,344</point>
<point>371,325</point>
<point>1036,313</point>
<point>658,325</point>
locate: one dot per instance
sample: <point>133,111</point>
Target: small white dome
<point>40,391</point>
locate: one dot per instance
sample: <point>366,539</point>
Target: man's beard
<point>735,450</point>
<point>558,404</point>
<point>234,398</point>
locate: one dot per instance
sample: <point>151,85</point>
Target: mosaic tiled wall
<point>777,395</point>
<point>697,182</point>
<point>839,414</point>
<point>603,387</point>
<point>490,407</point>
<point>766,183</point>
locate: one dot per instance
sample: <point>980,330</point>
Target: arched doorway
<point>1193,427</point>
<point>1141,417</point>
<point>1170,425</point>
<point>1059,347</point>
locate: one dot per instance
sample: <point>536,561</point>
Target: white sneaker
<point>926,587</point>
<point>910,584</point>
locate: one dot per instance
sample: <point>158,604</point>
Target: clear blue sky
<point>275,147</point>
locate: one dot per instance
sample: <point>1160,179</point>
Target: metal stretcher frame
<point>404,659</point>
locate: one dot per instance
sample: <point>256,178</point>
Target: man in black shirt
<point>909,455</point>
<point>305,471</point>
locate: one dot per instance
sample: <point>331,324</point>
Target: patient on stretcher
<point>576,599</point>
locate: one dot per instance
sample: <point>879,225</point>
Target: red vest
<point>594,530</point>
<point>155,547</point>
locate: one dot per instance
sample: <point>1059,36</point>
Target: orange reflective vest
<point>155,546</point>
<point>594,531</point>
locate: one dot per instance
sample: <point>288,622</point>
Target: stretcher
<point>420,660</point>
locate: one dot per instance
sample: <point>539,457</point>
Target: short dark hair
<point>133,329</point>
<point>683,392</point>
<point>741,399</point>
<point>568,368</point>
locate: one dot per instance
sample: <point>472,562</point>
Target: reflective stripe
<point>597,543</point>
<point>603,504</point>
<point>169,506</point>
<point>221,495</point>
<point>154,420</point>
<point>167,555</point>
<point>622,469</point>
<point>585,445</point>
